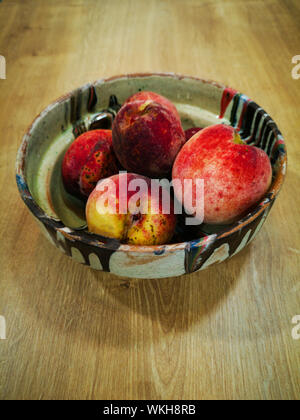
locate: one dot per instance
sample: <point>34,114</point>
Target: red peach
<point>146,96</point>
<point>236,176</point>
<point>147,134</point>
<point>109,212</point>
<point>89,158</point>
<point>190,132</point>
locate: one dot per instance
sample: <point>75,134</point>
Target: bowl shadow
<point>104,309</point>
<point>170,302</point>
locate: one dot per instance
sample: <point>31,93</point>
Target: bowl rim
<point>113,244</point>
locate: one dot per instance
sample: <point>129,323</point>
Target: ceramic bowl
<point>200,103</point>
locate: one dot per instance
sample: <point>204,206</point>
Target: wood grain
<point>222,333</point>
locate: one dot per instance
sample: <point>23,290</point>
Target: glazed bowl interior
<point>199,102</point>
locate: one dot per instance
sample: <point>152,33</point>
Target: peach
<point>147,134</point>
<point>89,158</point>
<point>236,176</point>
<point>115,210</point>
<point>145,96</point>
<point>190,132</point>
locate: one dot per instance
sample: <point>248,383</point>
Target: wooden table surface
<point>221,333</point>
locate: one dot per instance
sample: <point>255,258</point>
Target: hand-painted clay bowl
<point>200,103</point>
